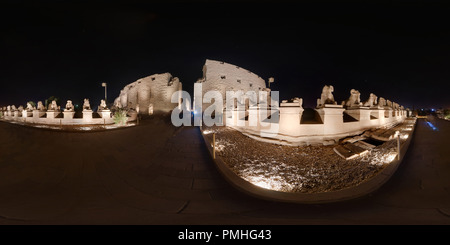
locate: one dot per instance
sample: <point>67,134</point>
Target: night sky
<point>399,51</point>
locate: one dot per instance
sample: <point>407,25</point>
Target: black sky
<point>397,50</point>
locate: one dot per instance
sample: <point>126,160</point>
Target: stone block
<point>87,114</point>
<point>52,114</point>
<point>68,114</point>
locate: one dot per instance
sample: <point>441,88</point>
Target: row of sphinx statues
<point>354,101</point>
<point>54,107</point>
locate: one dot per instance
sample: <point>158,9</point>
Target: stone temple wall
<point>150,93</point>
<point>222,77</point>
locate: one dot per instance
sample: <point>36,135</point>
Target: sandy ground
<point>158,174</point>
<point>305,169</point>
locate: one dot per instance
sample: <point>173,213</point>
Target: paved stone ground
<point>157,174</point>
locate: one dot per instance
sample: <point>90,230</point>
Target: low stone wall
<point>57,118</point>
<point>291,131</point>
<point>310,198</point>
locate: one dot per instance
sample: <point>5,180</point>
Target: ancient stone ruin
<point>326,98</point>
<point>331,120</point>
<point>69,106</point>
<point>54,115</point>
<point>149,94</point>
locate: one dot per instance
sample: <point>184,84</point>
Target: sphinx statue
<point>395,106</point>
<point>30,107</point>
<point>102,105</point>
<point>297,100</point>
<point>382,102</point>
<point>86,105</point>
<point>53,106</point>
<point>389,103</point>
<point>372,101</point>
<point>20,108</point>
<point>326,97</point>
<point>40,106</point>
<point>13,108</point>
<point>8,108</point>
<point>354,100</point>
<point>69,106</point>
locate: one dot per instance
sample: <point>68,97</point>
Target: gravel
<point>302,169</point>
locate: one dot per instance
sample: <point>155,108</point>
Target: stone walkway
<point>157,174</point>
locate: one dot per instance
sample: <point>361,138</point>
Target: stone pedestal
<point>52,114</point>
<point>87,114</point>
<point>388,113</point>
<point>228,117</point>
<point>253,117</point>
<point>8,113</point>
<point>16,114</point>
<point>38,114</point>
<point>360,114</point>
<point>105,113</point>
<point>68,114</point>
<point>290,117</point>
<point>27,114</point>
<point>379,113</point>
<point>332,117</point>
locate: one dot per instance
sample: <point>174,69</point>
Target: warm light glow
<point>42,126</point>
<point>220,145</point>
<point>390,157</point>
<point>382,158</point>
<point>272,183</point>
<point>112,126</point>
<point>207,131</point>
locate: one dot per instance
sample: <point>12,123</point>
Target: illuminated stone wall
<point>154,91</point>
<point>221,76</point>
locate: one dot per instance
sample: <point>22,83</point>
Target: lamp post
<point>104,85</point>
<point>271,80</point>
